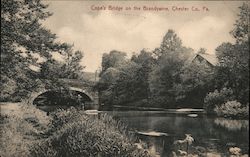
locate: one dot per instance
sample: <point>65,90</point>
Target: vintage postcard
<point>124,78</point>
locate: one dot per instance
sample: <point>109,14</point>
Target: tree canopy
<point>25,42</point>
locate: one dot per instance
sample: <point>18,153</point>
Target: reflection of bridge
<point>78,93</point>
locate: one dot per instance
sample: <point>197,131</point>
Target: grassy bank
<point>65,133</point>
<point>21,127</point>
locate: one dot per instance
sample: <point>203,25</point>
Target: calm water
<point>212,135</point>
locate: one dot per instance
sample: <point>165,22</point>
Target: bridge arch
<point>34,95</point>
<point>49,100</point>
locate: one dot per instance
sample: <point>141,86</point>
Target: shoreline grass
<point>65,133</point>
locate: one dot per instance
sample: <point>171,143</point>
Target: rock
<point>138,146</point>
<point>234,150</point>
<point>192,115</point>
<point>153,133</point>
<point>182,153</point>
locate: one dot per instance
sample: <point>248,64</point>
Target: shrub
<point>61,117</point>
<point>232,109</point>
<point>77,134</point>
<point>70,133</point>
<point>217,98</point>
<point>38,118</point>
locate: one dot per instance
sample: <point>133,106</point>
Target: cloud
<point>207,32</point>
<point>96,33</point>
<point>108,31</point>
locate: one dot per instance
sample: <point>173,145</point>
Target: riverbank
<point>212,136</point>
<point>122,108</point>
<point>11,107</point>
<point>28,131</point>
<point>184,111</point>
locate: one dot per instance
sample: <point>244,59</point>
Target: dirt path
<point>10,108</point>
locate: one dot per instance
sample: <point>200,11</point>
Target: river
<point>212,135</point>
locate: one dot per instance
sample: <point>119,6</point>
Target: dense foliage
<point>27,49</point>
<point>216,98</point>
<point>126,80</point>
<point>233,69</point>
<point>161,78</point>
<point>65,133</point>
<point>77,134</point>
<point>232,109</point>
<point>169,76</point>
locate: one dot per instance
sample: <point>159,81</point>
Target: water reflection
<point>231,124</point>
<point>211,135</point>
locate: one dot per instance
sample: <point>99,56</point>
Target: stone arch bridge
<point>77,93</point>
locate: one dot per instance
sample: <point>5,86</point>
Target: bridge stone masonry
<point>80,92</point>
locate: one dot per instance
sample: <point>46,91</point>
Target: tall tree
<point>111,65</point>
<point>72,67</point>
<point>242,27</point>
<point>171,56</point>
<point>196,81</point>
<point>69,66</point>
<point>22,38</point>
<point>171,43</point>
<point>146,62</point>
<point>233,71</point>
<point>127,80</point>
<point>113,59</point>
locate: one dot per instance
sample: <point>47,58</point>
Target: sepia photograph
<point>124,78</point>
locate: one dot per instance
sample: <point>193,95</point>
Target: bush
<point>232,109</point>
<point>30,133</point>
<point>217,98</point>
<point>77,134</point>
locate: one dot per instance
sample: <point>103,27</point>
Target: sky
<point>199,24</point>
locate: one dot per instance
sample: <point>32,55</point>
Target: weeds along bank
<point>65,133</point>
